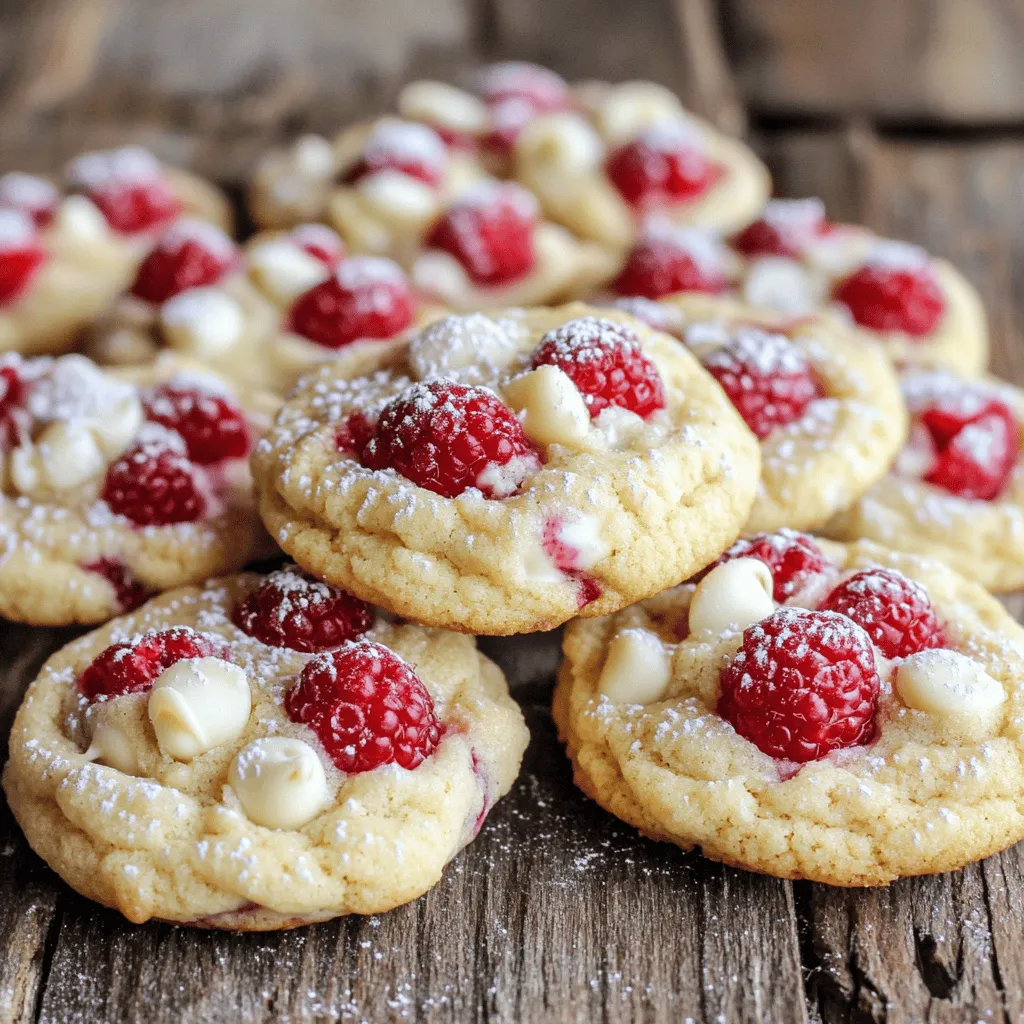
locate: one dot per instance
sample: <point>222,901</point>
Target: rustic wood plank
<point>951,61</point>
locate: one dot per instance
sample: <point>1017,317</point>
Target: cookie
<point>259,753</point>
<point>956,490</point>
<point>843,714</point>
<point>632,153</point>
<point>65,258</point>
<point>419,487</point>
<point>795,261</point>
<point>824,402</point>
<point>117,485</point>
<point>260,316</point>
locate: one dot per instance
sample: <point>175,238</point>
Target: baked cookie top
<point>261,315</point>
<point>260,752</point>
<point>419,487</point>
<point>630,152</point>
<point>794,260</point>
<point>116,485</point>
<point>839,713</point>
<point>823,400</point>
<point>64,256</point>
<point>956,490</point>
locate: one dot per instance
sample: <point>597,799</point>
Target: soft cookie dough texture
<point>172,841</point>
<point>655,501</point>
<point>932,792</point>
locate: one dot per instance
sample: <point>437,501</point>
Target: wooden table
<point>557,912</point>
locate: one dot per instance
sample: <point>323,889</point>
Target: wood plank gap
<point>49,949</point>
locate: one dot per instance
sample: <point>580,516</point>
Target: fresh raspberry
<point>792,557</point>
<point>605,361</point>
<point>490,232</point>
<point>448,437</point>
<point>154,484</point>
<point>21,254</point>
<point>403,146</point>
<point>12,394</point>
<point>541,87</point>
<point>662,263</point>
<point>766,377</point>
<point>291,609</point>
<point>897,291</point>
<point>785,228</point>
<point>130,592</point>
<point>892,609</point>
<point>665,165</point>
<point>802,684</point>
<point>354,434</point>
<point>31,195</point>
<point>320,242</point>
<point>190,254</point>
<point>134,665</point>
<point>212,426</point>
<point>367,706</point>
<point>365,297</point>
<point>975,437</point>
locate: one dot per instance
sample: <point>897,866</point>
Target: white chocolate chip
<point>734,595</point>
<point>563,141</point>
<point>550,406</point>
<point>68,455</point>
<point>198,704</point>
<point>783,285</point>
<point>115,431</point>
<point>398,197</point>
<point>284,270</point>
<point>456,342</point>
<point>583,536</point>
<point>946,682</point>
<point>629,109</point>
<point>205,322</point>
<point>80,219</point>
<point>442,104</point>
<point>313,157</point>
<point>442,275</point>
<point>619,426</point>
<point>279,781</point>
<point>112,745</point>
<point>637,668</point>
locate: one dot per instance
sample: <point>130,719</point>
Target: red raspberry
<point>791,556</point>
<point>134,665</point>
<point>154,484</point>
<point>766,377</point>
<point>354,434</point>
<point>367,707</point>
<point>662,263</point>
<point>291,609</point>
<point>786,228</point>
<point>320,242</point>
<point>190,254</point>
<point>448,437</point>
<point>802,684</point>
<point>12,395</point>
<point>605,361</point>
<point>21,255</point>
<point>490,232</point>
<point>897,291</point>
<point>665,165</point>
<point>130,592</point>
<point>212,426</point>
<point>893,610</point>
<point>541,87</point>
<point>31,195</point>
<point>403,146</point>
<point>365,297</point>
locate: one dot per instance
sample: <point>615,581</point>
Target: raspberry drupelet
<point>22,255</point>
<point>212,426</point>
<point>792,557</point>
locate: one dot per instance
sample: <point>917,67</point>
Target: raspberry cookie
<point>956,490</point>
<point>633,153</point>
<point>839,713</point>
<point>114,486</point>
<point>260,753</point>
<point>262,316</point>
<point>795,261</point>
<point>505,473</point>
<point>824,403</point>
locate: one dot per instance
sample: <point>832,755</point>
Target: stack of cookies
<point>515,357</point>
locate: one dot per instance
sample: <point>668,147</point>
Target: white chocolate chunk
<point>783,285</point>
<point>313,157</point>
<point>456,342</point>
<point>442,104</point>
<point>946,682</point>
<point>284,270</point>
<point>115,431</point>
<point>442,275</point>
<point>64,456</point>
<point>637,669</point>
<point>584,537</point>
<point>80,220</point>
<point>562,141</point>
<point>734,595</point>
<point>619,426</point>
<point>279,781</point>
<point>398,197</point>
<point>198,704</point>
<point>550,406</point>
<point>205,322</point>
<point>112,745</point>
